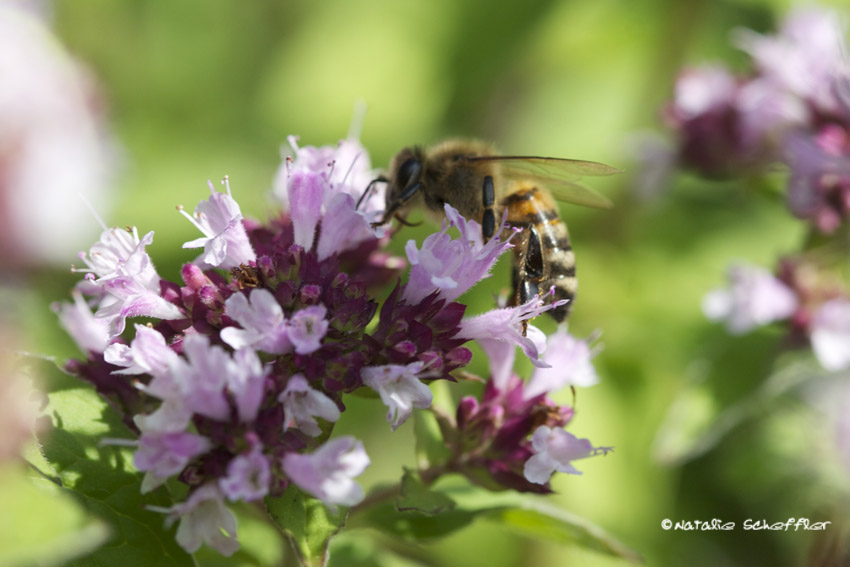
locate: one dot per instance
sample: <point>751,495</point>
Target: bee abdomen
<point>560,269</point>
<point>545,256</point>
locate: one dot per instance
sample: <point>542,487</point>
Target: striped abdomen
<point>543,256</point>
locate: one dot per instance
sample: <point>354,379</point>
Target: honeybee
<point>481,185</point>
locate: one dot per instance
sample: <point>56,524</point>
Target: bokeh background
<point>196,89</point>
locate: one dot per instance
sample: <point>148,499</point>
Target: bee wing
<point>558,176</point>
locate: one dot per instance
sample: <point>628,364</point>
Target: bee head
<point>405,177</point>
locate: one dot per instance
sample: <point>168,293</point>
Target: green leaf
<point>523,513</point>
<point>40,524</point>
<point>104,481</point>
<point>530,515</point>
<point>353,550</point>
<point>308,524</point>
<point>415,496</point>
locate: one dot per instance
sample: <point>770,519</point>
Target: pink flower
<point>328,472</point>
<point>830,334</point>
<point>804,57</point>
<point>122,277</point>
<point>452,266</point>
<point>303,404</point>
<point>506,325</point>
<point>54,150</point>
<point>555,449</point>
<point>569,365</point>
<point>204,518</point>
<point>754,297</point>
<point>90,333</point>
<point>225,241</point>
<point>400,389</point>
<point>321,185</point>
<point>248,476</point>
<point>263,322</point>
<point>147,354</point>
<point>306,192</point>
<point>307,328</point>
<point>164,454</point>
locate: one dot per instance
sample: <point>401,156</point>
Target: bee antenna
<point>368,189</point>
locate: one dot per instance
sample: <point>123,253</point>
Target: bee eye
<point>409,172</point>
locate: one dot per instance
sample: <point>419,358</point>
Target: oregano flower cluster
<point>233,378</point>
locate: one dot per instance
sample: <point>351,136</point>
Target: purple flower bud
<point>328,472</point>
<point>193,277</point>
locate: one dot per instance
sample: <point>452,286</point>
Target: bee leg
<point>488,219</point>
<point>530,271</point>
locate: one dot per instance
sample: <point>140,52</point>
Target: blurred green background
<point>197,89</point>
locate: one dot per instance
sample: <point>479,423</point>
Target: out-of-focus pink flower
<point>804,57</point>
<point>162,454</point>
<point>19,403</point>
<point>569,365</point>
<point>204,518</point>
<point>328,473</point>
<point>830,334</point>
<point>248,476</point>
<point>754,297</point>
<point>89,332</point>
<point>819,187</point>
<point>53,149</point>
